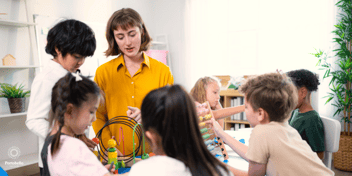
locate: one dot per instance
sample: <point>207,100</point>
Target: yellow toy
<point>112,155</point>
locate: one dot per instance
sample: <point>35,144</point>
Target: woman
<point>126,79</point>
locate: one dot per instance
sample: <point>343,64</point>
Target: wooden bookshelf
<point>225,100</point>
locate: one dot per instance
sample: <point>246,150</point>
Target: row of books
<point>237,101</point>
<point>237,126</point>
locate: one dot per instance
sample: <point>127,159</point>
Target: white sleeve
<point>39,107</point>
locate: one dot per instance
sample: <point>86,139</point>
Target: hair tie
<point>77,76</point>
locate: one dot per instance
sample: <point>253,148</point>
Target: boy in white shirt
<point>275,148</point>
<point>69,42</point>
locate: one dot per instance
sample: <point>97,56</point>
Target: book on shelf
<point>231,102</point>
<point>242,126</point>
<point>237,126</point>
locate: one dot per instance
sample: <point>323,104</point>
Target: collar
<point>56,66</point>
<point>120,61</point>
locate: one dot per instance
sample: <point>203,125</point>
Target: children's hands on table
<point>90,144</point>
<point>202,109</point>
<point>134,113</point>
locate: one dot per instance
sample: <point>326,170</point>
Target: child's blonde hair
<point>274,92</point>
<point>198,91</point>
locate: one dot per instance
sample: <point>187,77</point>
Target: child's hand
<point>108,167</point>
<point>215,126</point>
<point>202,109</point>
<point>134,113</point>
<point>90,144</point>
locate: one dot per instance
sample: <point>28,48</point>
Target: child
<point>305,119</point>
<point>74,102</point>
<point>69,42</point>
<point>275,148</point>
<point>208,89</point>
<point>171,127</point>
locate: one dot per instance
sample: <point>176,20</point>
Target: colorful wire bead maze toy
<point>214,144</point>
<point>122,163</point>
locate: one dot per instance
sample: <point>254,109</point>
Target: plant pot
<point>17,104</point>
<point>343,157</point>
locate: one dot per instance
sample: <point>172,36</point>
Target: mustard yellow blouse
<point>122,90</point>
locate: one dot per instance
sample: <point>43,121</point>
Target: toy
<point>213,143</point>
<point>9,60</point>
<point>127,160</point>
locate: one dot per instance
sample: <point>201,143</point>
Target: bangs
<point>124,23</point>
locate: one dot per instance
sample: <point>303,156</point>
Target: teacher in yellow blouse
<point>126,79</point>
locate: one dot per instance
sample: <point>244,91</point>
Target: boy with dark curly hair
<point>305,119</point>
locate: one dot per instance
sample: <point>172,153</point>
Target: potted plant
<point>340,84</point>
<point>16,96</point>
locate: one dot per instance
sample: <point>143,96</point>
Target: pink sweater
<point>74,158</point>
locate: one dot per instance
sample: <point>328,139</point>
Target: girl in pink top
<point>74,102</point>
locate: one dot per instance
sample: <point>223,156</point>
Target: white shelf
<point>24,160</point>
<point>158,43</point>
<point>16,23</point>
<point>28,66</point>
<point>13,115</point>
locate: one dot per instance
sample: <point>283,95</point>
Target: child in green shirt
<point>305,119</point>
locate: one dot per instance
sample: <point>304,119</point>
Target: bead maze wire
<point>122,120</point>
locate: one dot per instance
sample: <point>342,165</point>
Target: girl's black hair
<point>170,111</point>
<point>68,90</point>
<point>304,78</point>
<point>71,36</point>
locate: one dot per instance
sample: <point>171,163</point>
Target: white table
<point>235,160</point>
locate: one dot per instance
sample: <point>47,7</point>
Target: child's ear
<point>69,109</point>
<point>150,136</point>
<point>57,51</point>
<point>262,115</point>
<point>302,92</point>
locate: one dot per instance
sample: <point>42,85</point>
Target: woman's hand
<point>134,113</point>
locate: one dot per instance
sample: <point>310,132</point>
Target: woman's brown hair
<point>198,91</point>
<point>171,113</point>
<point>125,18</point>
<point>274,92</point>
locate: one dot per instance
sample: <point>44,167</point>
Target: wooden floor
<point>33,170</point>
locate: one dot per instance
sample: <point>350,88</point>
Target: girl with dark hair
<point>304,118</point>
<point>69,42</point>
<point>74,102</point>
<point>126,79</point>
<point>170,124</point>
